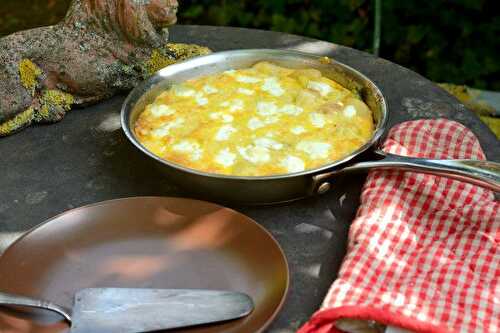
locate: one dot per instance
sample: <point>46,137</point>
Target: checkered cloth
<point>424,251</point>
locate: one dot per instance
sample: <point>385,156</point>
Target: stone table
<point>86,158</point>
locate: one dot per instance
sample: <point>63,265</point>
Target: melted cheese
<point>193,149</point>
<point>349,111</point>
<point>182,91</point>
<point>164,129</point>
<point>246,91</point>
<point>200,99</point>
<point>161,110</point>
<point>226,118</point>
<point>208,89</point>
<point>315,149</point>
<point>291,109</point>
<point>317,119</point>
<point>267,108</point>
<point>321,87</point>
<point>247,79</point>
<point>236,105</point>
<point>225,158</point>
<point>272,86</point>
<point>255,154</point>
<point>298,130</point>
<point>255,121</point>
<point>268,143</point>
<point>224,133</point>
<point>293,164</point>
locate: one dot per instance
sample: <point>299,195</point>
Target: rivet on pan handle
<point>482,173</point>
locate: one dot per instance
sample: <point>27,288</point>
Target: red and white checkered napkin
<point>424,251</point>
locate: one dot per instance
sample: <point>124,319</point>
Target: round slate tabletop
<point>86,158</point>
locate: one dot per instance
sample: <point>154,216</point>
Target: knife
<point>133,310</point>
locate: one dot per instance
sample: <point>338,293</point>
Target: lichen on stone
<point>99,49</point>
<point>29,73</point>
<point>58,98</point>
<point>172,53</point>
<point>21,120</point>
<point>184,51</point>
<point>157,61</point>
<point>54,103</point>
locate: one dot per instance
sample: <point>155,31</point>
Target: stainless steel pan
<point>286,187</point>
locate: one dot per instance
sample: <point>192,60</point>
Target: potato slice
<point>272,69</point>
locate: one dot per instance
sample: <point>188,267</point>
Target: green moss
<point>21,120</point>
<point>29,73</point>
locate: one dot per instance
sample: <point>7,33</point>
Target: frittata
<point>259,121</point>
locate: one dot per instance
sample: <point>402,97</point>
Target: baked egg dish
<point>259,121</point>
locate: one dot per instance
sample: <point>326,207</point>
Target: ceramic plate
<point>145,242</point>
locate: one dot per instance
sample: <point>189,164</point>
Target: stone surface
<point>48,169</point>
<point>100,48</point>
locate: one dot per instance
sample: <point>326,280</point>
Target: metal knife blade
<point>123,310</point>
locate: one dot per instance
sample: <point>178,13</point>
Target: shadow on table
<point>313,233</point>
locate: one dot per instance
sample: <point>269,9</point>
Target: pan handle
<point>482,173</point>
<point>16,300</point>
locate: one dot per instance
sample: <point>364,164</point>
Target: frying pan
<point>291,186</point>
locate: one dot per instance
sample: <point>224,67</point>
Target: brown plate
<point>145,242</point>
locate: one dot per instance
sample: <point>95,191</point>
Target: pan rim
<point>180,66</point>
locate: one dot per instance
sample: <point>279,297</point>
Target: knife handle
<point>16,300</point>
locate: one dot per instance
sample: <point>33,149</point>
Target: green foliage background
<point>446,41</point>
<point>453,41</point>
